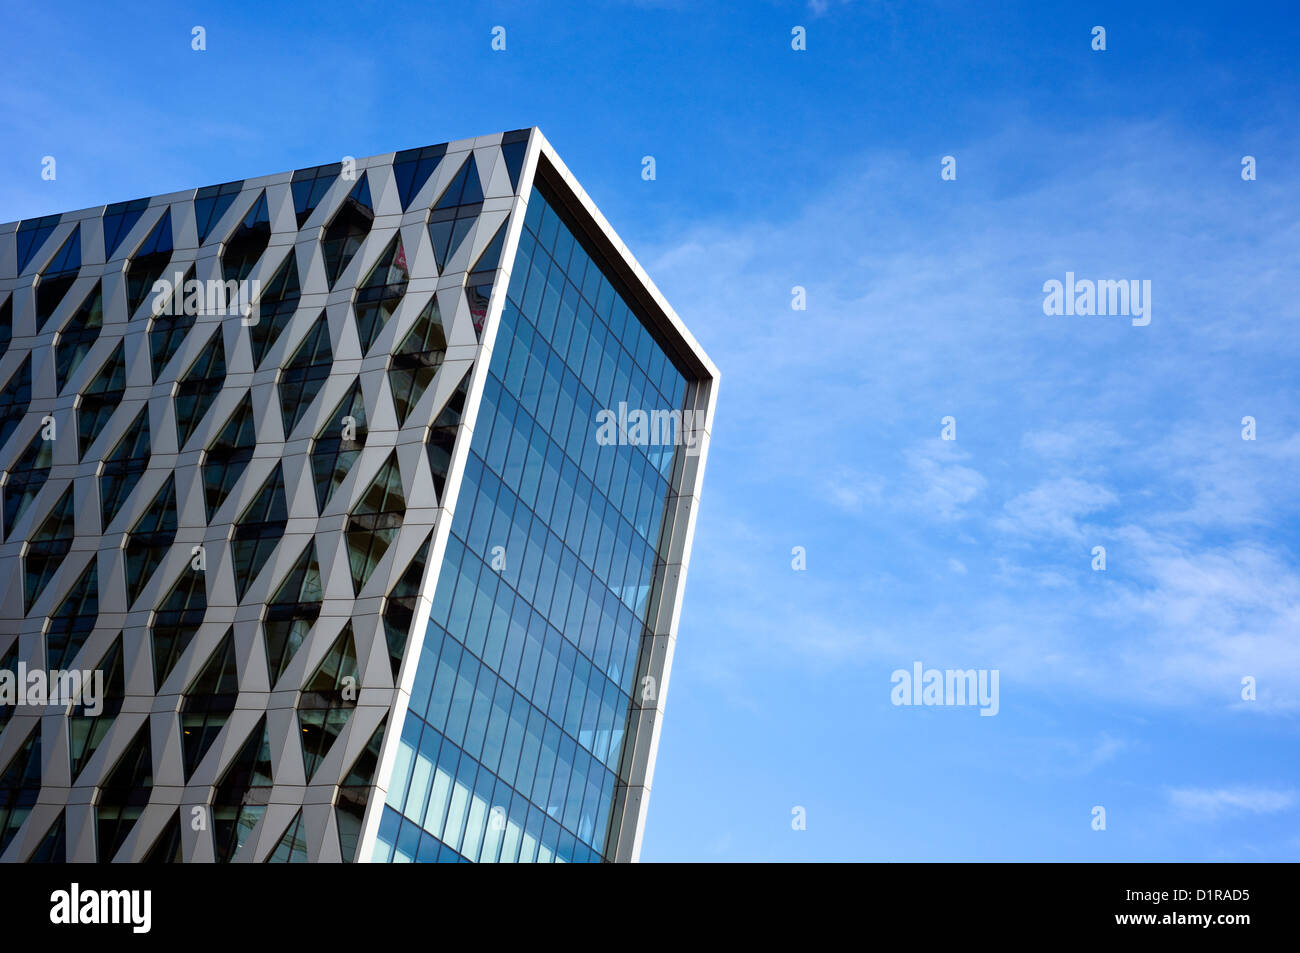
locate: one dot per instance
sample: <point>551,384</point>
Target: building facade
<point>346,516</point>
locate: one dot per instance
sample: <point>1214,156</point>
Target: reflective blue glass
<point>531,653</point>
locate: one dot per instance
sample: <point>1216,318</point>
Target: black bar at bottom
<point>336,903</point>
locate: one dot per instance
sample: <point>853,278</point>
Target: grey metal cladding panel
<point>57,412</point>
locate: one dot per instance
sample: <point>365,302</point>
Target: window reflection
<point>512,745</point>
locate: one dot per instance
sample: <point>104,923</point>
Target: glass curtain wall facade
<point>512,746</point>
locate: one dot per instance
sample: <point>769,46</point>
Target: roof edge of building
<point>554,174</point>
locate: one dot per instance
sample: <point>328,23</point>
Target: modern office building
<point>345,516</point>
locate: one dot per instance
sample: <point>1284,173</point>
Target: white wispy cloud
<point>1053,508</point>
<point>853,491</point>
<point>1071,432</point>
<point>1076,442</point>
<point>939,482</point>
<point>1216,802</point>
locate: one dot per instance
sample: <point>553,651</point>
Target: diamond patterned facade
<point>247,435</point>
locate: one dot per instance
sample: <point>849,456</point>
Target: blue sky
<point>821,169</point>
